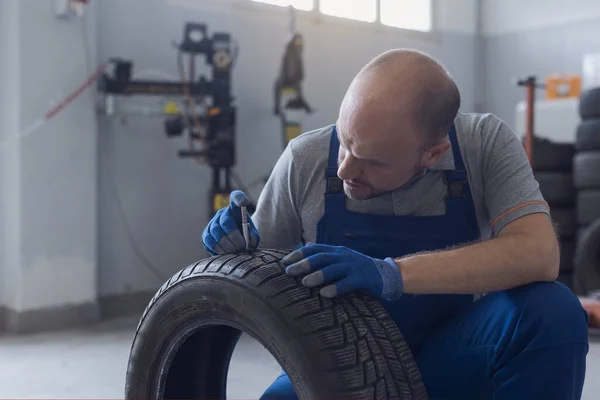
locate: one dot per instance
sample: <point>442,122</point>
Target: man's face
<point>382,145</point>
<point>372,162</point>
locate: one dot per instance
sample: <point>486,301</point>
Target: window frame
<point>315,17</point>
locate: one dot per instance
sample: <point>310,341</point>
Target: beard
<point>362,192</point>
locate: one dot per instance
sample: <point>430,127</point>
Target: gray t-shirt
<point>500,176</point>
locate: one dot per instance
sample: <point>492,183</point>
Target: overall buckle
<point>334,184</point>
<point>456,185</point>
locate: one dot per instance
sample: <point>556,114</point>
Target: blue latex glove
<point>223,234</point>
<point>343,270</point>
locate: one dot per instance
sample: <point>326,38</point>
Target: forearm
<point>497,264</point>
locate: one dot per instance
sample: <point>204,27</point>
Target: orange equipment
<point>562,87</point>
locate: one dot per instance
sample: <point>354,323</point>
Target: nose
<point>348,168</point>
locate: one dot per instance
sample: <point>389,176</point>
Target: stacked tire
<point>553,169</point>
<point>586,176</point>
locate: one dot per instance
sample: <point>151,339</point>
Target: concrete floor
<point>91,363</point>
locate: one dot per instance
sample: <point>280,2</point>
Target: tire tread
<point>360,346</point>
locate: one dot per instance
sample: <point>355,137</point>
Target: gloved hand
<point>224,234</point>
<point>343,270</point>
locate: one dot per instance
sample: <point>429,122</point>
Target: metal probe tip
<point>245,227</point>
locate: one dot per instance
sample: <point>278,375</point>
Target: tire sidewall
<point>585,168</point>
<point>212,298</point>
<point>588,136</point>
<point>589,104</point>
<point>587,264</point>
<point>556,187</point>
<point>588,206</point>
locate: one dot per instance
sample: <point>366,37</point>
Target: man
<point>427,209</point>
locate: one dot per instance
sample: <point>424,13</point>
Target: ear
<point>435,153</point>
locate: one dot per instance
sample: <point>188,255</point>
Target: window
<point>407,14</point>
<point>306,5</point>
<point>361,10</point>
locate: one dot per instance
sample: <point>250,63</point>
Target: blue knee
<point>543,343</point>
<point>280,389</point>
<point>549,314</point>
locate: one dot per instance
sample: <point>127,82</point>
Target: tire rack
<point>586,175</point>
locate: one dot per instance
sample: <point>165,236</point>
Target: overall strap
<point>334,187</point>
<point>457,180</point>
<point>459,165</point>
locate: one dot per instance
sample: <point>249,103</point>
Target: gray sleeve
<point>510,188</point>
<point>276,216</point>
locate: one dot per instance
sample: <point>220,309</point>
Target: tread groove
<point>216,266</point>
<point>412,376</point>
<point>294,296</point>
<point>264,274</point>
<point>281,284</point>
<point>231,265</point>
<point>244,269</point>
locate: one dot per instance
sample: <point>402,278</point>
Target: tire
<point>588,206</point>
<point>565,220</point>
<point>589,104</point>
<point>347,347</point>
<point>586,170</point>
<point>587,260</point>
<point>567,255</point>
<point>556,187</point>
<point>550,156</point>
<point>588,135</point>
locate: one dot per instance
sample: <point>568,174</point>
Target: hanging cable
<point>128,231</point>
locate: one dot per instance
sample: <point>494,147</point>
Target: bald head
<point>392,121</point>
<point>408,88</point>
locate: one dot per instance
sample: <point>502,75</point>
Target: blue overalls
<point>508,345</point>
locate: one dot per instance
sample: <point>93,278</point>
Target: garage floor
<point>90,364</point>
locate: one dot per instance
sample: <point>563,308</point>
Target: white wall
<point>3,89</point>
<point>533,37</point>
<point>507,16</point>
<point>457,16</point>
<point>10,155</point>
<point>49,178</point>
<point>58,164</point>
